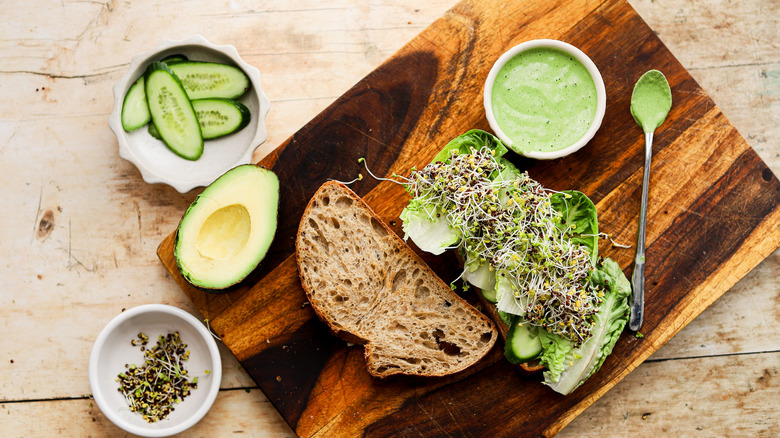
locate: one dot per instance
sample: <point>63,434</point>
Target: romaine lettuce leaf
<point>505,295</point>
<point>610,321</point>
<point>556,354</point>
<point>506,318</point>
<point>508,173</point>
<point>476,139</point>
<point>480,275</point>
<point>430,232</point>
<point>580,218</point>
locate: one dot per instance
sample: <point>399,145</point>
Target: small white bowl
<point>154,160</point>
<point>112,350</point>
<point>601,95</point>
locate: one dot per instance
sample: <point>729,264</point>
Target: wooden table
<point>80,227</point>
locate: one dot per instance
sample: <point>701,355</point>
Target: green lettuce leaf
<point>580,218</point>
<point>610,321</point>
<point>430,232</point>
<point>507,302</point>
<point>480,275</point>
<point>556,354</point>
<point>476,138</point>
<point>506,318</point>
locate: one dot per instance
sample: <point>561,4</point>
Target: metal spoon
<point>650,103</point>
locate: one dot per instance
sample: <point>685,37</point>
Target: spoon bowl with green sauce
<point>650,103</point>
<point>544,99</point>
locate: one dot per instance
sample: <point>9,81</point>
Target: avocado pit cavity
<point>225,233</point>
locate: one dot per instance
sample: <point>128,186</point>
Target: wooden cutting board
<point>713,215</point>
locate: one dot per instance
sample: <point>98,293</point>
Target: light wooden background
<point>79,227</point>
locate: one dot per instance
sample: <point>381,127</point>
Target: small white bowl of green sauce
<point>544,99</point>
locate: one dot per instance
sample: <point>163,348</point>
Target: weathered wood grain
<point>736,384</point>
<point>80,227</point>
<point>721,171</point>
<point>731,324</point>
<point>740,391</point>
<point>81,417</point>
<point>58,156</point>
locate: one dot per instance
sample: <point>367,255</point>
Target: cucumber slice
<point>203,80</point>
<point>135,111</point>
<point>153,132</point>
<point>218,117</point>
<point>174,58</point>
<point>489,294</point>
<point>172,112</point>
<point>522,343</point>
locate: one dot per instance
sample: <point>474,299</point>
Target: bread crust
<point>304,252</point>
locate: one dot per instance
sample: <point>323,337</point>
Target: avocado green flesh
<point>227,230</point>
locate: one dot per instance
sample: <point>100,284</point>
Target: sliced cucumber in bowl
<point>153,131</point>
<point>204,80</point>
<point>183,87</point>
<point>176,57</point>
<point>135,111</point>
<point>219,117</point>
<point>156,162</point>
<point>171,112</point>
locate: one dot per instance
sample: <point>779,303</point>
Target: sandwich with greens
<point>531,251</point>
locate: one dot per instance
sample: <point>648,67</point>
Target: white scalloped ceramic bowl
<point>112,350</point>
<point>153,159</point>
<point>601,95</point>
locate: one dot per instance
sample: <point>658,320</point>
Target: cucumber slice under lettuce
<point>480,275</point>
<point>522,343</point>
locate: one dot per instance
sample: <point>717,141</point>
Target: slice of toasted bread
<point>371,288</point>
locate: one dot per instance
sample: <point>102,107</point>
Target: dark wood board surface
<point>713,216</point>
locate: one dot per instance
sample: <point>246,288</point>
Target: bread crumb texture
<point>366,284</point>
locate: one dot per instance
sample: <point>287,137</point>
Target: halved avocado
<point>227,230</point>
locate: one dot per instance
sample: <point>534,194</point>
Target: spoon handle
<point>638,278</point>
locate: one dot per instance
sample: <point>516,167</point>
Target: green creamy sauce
<point>544,100</point>
<point>651,100</point>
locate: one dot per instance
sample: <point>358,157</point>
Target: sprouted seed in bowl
<point>153,388</point>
